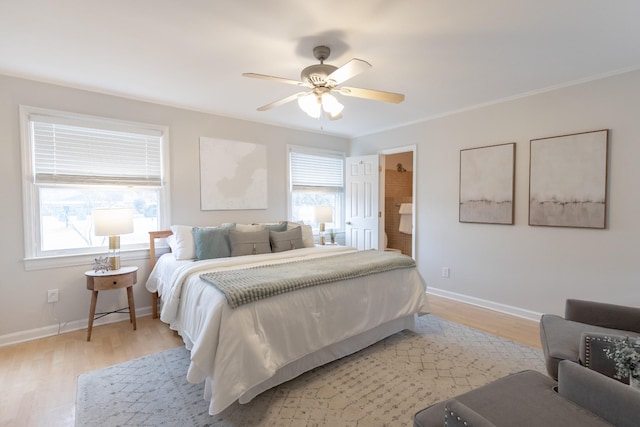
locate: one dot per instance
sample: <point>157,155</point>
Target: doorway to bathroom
<point>397,200</point>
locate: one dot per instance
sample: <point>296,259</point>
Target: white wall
<point>522,269</point>
<point>24,311</point>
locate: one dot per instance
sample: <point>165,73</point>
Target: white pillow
<point>171,242</point>
<point>307,233</point>
<point>185,246</point>
<point>245,228</point>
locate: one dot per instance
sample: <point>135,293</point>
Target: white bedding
<point>241,351</point>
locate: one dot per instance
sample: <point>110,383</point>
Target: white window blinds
<point>65,153</point>
<point>309,171</point>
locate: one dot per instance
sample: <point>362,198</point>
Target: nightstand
<point>124,277</point>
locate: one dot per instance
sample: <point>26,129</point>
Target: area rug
<point>382,385</point>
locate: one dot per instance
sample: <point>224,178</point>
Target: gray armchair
<point>581,397</point>
<point>578,336</point>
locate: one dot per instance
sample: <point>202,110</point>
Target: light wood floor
<point>503,325</point>
<point>38,378</point>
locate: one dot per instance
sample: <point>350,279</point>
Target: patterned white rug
<point>382,385</point>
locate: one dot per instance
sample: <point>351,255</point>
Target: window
<point>316,179</point>
<point>74,164</point>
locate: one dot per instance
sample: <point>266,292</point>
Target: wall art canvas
<point>487,176</point>
<point>233,175</point>
<point>568,180</point>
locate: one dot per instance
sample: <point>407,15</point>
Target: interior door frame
<point>381,189</point>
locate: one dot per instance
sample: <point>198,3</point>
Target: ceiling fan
<point>323,79</point>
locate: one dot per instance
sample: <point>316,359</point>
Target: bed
<point>243,351</point>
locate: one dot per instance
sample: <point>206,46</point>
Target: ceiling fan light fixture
<point>331,105</point>
<point>310,104</point>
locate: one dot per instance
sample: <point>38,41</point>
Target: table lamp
<point>323,214</point>
<point>112,222</point>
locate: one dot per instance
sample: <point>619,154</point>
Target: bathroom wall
<point>398,189</point>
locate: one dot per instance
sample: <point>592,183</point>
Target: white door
<point>361,216</point>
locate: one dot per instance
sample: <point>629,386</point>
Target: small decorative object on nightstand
<point>124,277</point>
<point>101,264</point>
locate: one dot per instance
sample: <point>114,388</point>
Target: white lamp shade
<point>323,214</point>
<point>112,221</point>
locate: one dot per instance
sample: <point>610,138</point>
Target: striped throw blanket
<point>251,284</point>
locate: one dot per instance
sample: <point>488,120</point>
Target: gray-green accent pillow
<point>249,242</point>
<point>281,226</point>
<point>212,242</point>
<point>286,240</point>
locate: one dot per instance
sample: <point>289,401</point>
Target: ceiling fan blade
<point>276,79</point>
<point>347,71</point>
<point>282,101</point>
<point>376,95</point>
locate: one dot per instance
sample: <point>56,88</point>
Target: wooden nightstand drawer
<point>112,279</point>
<point>113,282</point>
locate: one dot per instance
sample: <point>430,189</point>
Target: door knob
<point>348,223</point>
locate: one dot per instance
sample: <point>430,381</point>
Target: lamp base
<point>114,262</point>
<point>114,252</point>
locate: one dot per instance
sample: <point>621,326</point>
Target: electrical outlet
<point>446,272</point>
<point>52,295</point>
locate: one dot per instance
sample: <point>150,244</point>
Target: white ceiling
<point>445,55</point>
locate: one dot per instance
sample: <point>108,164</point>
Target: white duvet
<point>235,350</point>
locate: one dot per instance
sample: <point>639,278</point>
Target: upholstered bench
<point>581,397</point>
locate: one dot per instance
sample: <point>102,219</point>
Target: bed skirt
<point>324,356</point>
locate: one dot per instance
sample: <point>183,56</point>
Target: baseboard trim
<point>490,305</point>
<point>64,327</point>
<point>75,325</point>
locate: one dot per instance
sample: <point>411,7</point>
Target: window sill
<point>46,263</point>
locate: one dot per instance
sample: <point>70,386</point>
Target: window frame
<point>338,227</point>
<point>33,260</point>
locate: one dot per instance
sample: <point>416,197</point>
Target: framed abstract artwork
<point>233,175</point>
<point>487,176</point>
<point>568,180</point>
